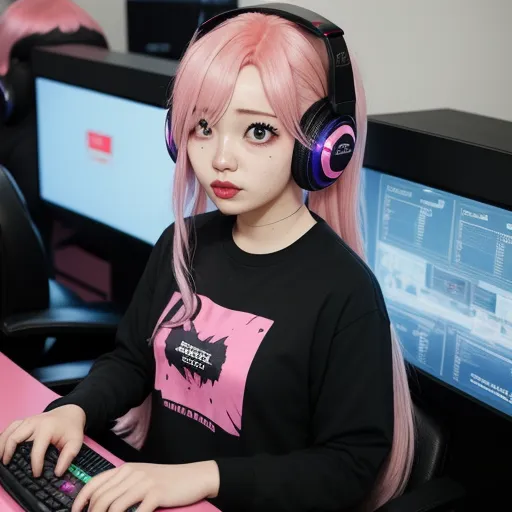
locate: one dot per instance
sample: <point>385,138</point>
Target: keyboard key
<point>26,482</point>
<point>41,507</point>
<point>42,495</point>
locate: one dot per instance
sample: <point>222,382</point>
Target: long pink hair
<point>26,17</point>
<point>293,68</point>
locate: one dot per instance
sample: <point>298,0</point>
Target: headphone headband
<point>341,94</point>
<point>330,122</point>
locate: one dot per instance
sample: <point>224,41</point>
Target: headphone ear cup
<point>17,94</point>
<point>333,140</point>
<point>169,141</point>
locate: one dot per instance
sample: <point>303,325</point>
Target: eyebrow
<point>254,112</point>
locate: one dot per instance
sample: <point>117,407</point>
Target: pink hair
<point>26,17</point>
<point>288,60</point>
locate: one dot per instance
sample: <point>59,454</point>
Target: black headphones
<point>17,86</point>
<point>330,122</point>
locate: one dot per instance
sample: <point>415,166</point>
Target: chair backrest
<point>431,448</point>
<point>23,260</point>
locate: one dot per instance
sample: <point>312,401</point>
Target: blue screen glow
<point>445,267</point>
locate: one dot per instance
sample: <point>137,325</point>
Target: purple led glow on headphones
<point>171,146</point>
<point>329,146</point>
<point>322,151</point>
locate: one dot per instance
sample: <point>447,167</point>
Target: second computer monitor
<point>444,263</point>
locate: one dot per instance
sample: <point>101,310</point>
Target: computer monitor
<point>444,263</point>
<point>101,148</point>
<point>104,157</point>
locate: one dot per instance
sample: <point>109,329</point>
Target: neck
<point>274,226</point>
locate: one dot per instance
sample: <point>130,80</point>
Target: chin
<point>234,206</point>
<point>230,206</point>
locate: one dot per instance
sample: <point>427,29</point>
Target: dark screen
<point>163,28</point>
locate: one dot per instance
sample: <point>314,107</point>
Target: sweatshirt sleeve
<point>123,378</point>
<point>351,432</point>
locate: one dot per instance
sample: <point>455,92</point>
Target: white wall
<point>111,15</point>
<point>413,54</point>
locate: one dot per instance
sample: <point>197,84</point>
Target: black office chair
<point>34,307</point>
<point>427,490</point>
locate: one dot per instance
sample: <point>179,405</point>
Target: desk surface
<point>21,396</point>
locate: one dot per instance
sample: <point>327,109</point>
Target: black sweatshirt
<point>284,376</point>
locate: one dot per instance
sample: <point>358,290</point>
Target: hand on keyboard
<point>50,493</point>
<point>149,486</point>
<point>62,427</point>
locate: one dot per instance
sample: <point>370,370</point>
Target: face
<point>244,161</point>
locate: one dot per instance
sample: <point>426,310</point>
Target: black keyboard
<point>50,493</point>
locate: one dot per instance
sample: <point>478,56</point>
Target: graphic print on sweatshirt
<point>202,368</point>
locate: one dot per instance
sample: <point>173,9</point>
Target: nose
<point>224,159</point>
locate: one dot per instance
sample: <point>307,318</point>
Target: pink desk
<point>21,396</point>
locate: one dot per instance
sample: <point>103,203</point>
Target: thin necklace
<point>276,221</point>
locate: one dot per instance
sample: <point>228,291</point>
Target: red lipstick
<point>224,189</point>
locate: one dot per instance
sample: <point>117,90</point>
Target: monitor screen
<point>104,158</point>
<point>444,263</point>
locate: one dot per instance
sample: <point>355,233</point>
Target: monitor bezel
<point>383,155</point>
<point>139,78</point>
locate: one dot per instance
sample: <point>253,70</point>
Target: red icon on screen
<point>99,145</point>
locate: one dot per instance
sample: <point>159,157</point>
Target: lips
<point>224,189</point>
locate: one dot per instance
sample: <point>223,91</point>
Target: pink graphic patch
<point>201,370</point>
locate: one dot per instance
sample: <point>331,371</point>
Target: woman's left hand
<point>151,485</point>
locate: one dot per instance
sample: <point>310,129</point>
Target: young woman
<point>255,366</point>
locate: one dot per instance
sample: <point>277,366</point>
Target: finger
<point>5,435</point>
<point>135,494</point>
<point>98,495</point>
<point>90,487</point>
<point>38,452</point>
<point>104,498</point>
<point>67,454</point>
<point>22,433</point>
<point>149,504</point>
